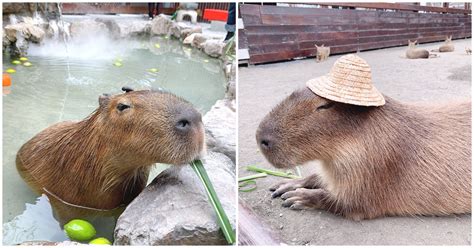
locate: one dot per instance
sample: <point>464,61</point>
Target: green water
<point>47,93</point>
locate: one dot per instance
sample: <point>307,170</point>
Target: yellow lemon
<point>157,45</point>
<point>10,70</point>
<point>206,61</point>
<point>23,59</point>
<point>167,37</point>
<point>100,241</point>
<point>79,230</point>
<point>153,70</point>
<point>16,62</point>
<point>27,64</point>
<point>118,64</point>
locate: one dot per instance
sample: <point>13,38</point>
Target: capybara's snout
<point>187,120</point>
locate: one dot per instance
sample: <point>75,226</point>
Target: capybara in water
<point>448,46</point>
<point>417,53</point>
<point>103,161</point>
<point>394,160</point>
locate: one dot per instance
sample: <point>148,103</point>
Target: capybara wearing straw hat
<point>102,162</point>
<point>379,156</point>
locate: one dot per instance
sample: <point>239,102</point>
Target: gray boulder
<point>161,25</point>
<point>88,28</point>
<point>28,31</point>
<point>198,40</point>
<point>213,48</point>
<point>174,208</point>
<point>219,123</point>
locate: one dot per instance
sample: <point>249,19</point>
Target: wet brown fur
<point>103,161</point>
<point>397,159</point>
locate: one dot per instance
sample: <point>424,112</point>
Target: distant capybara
<point>103,161</point>
<point>448,46</point>
<point>417,53</point>
<point>393,160</point>
<point>322,53</point>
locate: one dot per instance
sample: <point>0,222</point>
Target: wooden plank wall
<point>280,33</point>
<point>133,8</point>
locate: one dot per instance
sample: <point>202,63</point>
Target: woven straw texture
<point>349,81</point>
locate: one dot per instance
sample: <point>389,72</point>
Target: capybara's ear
<point>316,45</point>
<point>126,89</point>
<point>104,99</point>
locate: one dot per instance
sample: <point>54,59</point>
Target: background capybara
<point>103,161</point>
<point>396,159</point>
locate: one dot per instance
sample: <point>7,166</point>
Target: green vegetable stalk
<point>223,220</point>
<point>270,172</point>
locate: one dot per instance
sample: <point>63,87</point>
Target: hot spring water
<point>46,93</point>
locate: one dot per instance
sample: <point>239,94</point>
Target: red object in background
<point>7,81</point>
<point>215,15</point>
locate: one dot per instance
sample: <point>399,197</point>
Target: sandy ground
<point>433,80</point>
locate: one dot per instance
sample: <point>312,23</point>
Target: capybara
<point>322,53</point>
<point>103,161</point>
<point>468,50</point>
<point>448,46</point>
<point>417,53</point>
<point>394,160</point>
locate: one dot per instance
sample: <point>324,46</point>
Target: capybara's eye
<point>325,106</point>
<point>182,123</point>
<point>122,107</point>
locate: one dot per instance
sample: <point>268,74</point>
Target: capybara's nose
<point>264,141</point>
<point>187,120</point>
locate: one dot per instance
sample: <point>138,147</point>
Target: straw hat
<point>349,81</point>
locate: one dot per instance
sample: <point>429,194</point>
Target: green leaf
<point>222,218</point>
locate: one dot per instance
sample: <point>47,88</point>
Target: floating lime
<point>16,62</point>
<point>79,230</point>
<point>23,59</point>
<point>100,241</point>
<point>118,64</point>
<point>27,64</point>
<point>10,70</point>
<point>157,45</point>
<point>167,37</point>
<point>153,70</point>
<point>206,61</point>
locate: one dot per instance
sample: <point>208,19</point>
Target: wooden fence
<point>133,8</point>
<point>273,33</point>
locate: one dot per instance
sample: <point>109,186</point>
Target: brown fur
<point>448,46</point>
<point>103,161</point>
<point>397,159</point>
<point>322,53</point>
<point>417,53</point>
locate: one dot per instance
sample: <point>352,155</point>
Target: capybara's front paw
<point>302,198</point>
<point>285,186</point>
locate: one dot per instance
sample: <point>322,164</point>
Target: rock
<point>128,28</point>
<point>213,48</point>
<point>230,90</point>
<point>27,30</point>
<point>189,39</point>
<point>219,124</point>
<point>193,30</point>
<point>198,40</point>
<point>174,208</point>
<point>161,25</point>
<point>88,28</point>
<point>49,243</point>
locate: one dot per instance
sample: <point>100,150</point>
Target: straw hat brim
<point>346,93</point>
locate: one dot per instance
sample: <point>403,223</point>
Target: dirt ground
<point>433,80</point>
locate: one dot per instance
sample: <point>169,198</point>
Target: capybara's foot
<point>310,182</point>
<point>302,198</point>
